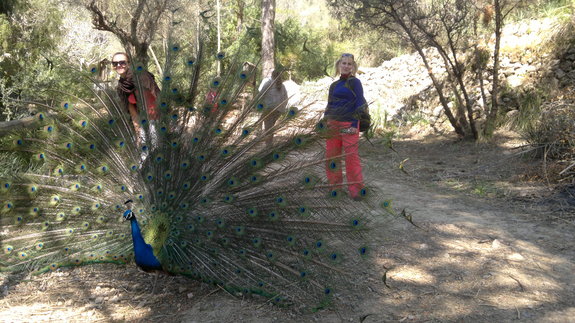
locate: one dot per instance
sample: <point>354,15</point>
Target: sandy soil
<point>492,244</point>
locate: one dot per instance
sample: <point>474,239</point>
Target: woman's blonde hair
<point>344,55</point>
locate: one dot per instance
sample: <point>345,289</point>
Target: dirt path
<point>485,251</point>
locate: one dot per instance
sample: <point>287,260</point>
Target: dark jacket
<point>345,100</point>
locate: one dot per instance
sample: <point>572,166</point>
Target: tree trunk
<point>436,84</point>
<point>268,44</point>
<point>491,120</point>
<point>240,16</point>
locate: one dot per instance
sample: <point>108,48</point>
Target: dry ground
<point>492,245</point>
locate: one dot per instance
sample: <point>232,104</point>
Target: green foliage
<point>28,36</point>
<point>529,102</point>
<point>304,52</point>
<point>543,9</point>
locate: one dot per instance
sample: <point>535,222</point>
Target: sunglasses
<point>347,55</point>
<point>119,63</point>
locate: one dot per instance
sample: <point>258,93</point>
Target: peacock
<point>208,199</point>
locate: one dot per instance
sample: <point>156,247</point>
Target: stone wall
<point>402,86</point>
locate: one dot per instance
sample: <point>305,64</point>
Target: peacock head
<point>128,214</point>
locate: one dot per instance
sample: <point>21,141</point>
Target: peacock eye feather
<point>255,179</point>
<point>334,194</point>
<point>8,206</point>
<point>291,240</point>
<point>304,211</point>
<point>299,141</point>
<point>281,201</point>
<point>5,186</point>
<point>386,204</point>
<point>18,220</point>
<point>253,212</point>
<point>34,211</point>
<point>273,216</point>
<point>246,132</point>
<point>292,112</point>
<point>226,152</point>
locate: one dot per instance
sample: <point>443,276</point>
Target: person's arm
<point>132,109</point>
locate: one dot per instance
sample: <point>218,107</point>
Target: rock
<point>495,244</point>
<point>516,257</point>
<point>437,111</point>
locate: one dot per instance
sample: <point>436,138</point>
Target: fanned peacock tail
<point>213,201</point>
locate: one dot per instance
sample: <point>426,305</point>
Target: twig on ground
<point>518,282</point>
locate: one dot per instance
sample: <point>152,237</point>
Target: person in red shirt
<point>129,92</point>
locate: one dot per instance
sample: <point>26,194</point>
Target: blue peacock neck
<point>143,252</point>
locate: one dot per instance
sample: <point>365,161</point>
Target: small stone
<point>99,300</point>
<point>182,289</point>
<point>495,244</point>
<point>516,257</point>
<point>190,295</point>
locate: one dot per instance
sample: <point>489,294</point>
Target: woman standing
<point>128,88</point>
<point>345,100</point>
